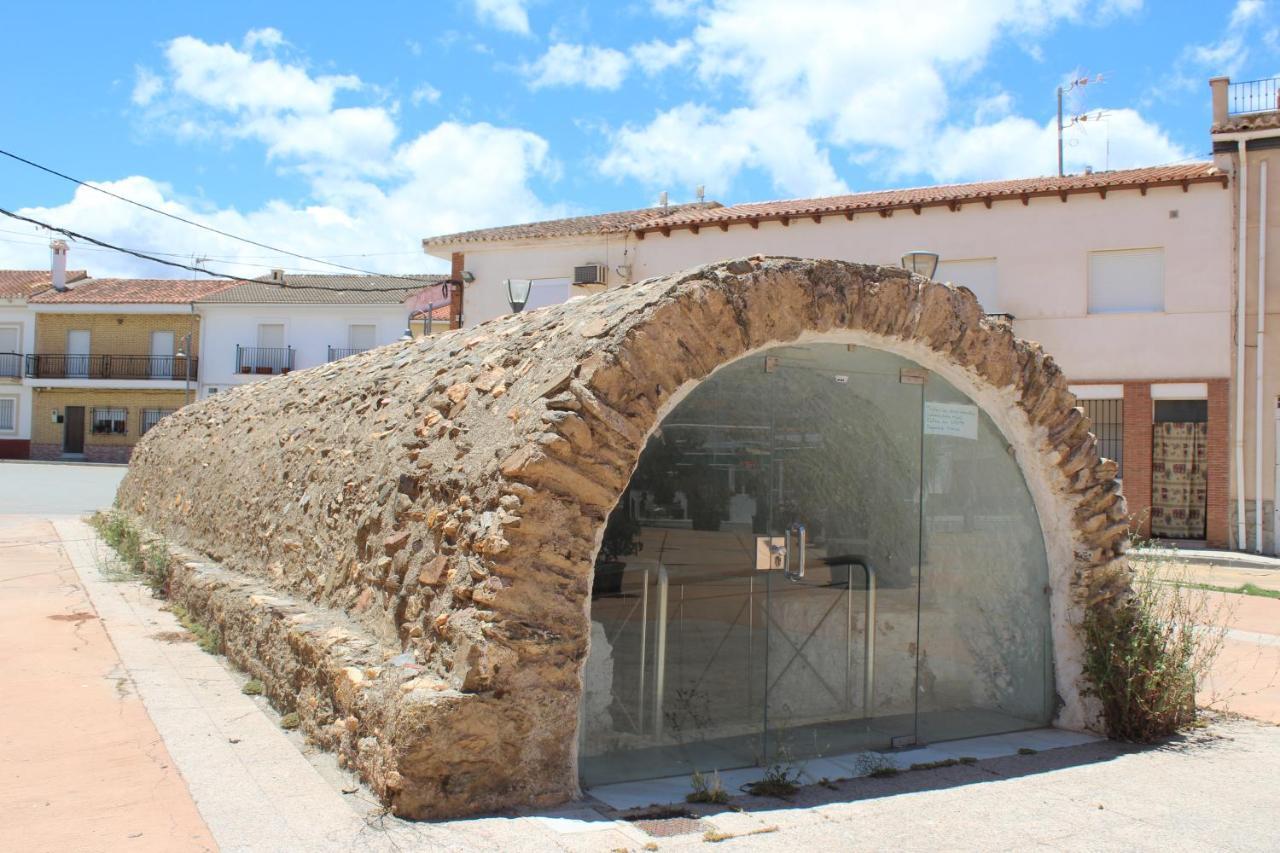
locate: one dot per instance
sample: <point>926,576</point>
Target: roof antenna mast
<point>1078,83</point>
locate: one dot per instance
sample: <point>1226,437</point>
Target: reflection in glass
<point>699,660</point>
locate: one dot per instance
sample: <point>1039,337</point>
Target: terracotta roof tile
<point>23,284</point>
<point>327,289</point>
<point>615,222</point>
<point>941,195</point>
<point>132,291</point>
<point>1248,121</point>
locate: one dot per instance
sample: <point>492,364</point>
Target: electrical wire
<point>75,235</point>
<point>174,216</point>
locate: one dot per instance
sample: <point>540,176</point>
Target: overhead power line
<point>181,219</point>
<point>75,235</point>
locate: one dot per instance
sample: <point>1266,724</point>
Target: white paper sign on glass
<point>958,420</point>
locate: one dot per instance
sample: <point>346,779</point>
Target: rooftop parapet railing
<point>1254,96</point>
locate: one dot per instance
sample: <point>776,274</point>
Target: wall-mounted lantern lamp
<point>518,292</point>
<point>921,262</point>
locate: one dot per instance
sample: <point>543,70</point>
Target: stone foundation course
<point>399,545</point>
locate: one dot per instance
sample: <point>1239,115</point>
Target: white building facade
<point>1125,278</point>
<point>257,330</point>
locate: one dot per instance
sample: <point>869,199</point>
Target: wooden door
<point>73,429</point>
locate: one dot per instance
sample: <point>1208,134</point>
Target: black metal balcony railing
<point>1254,96</point>
<point>336,353</point>
<point>10,365</point>
<point>264,360</point>
<point>64,366</point>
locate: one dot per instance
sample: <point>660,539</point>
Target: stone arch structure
<point>400,544</point>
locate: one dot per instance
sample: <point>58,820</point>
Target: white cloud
<point>509,15</point>
<point>692,144</point>
<point>146,86</point>
<point>425,93</point>
<point>859,76</point>
<point>674,8</point>
<point>656,56</point>
<point>367,192</point>
<point>268,38</point>
<point>1229,53</point>
<point>1019,147</point>
<point>578,65</point>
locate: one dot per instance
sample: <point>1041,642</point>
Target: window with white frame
<point>10,350</point>
<point>1126,281</point>
<point>8,414</point>
<point>151,417</point>
<point>977,274</point>
<point>362,336</point>
<point>110,421</point>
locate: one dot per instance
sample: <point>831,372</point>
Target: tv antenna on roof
<point>1078,83</point>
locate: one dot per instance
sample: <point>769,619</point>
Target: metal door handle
<point>797,572</point>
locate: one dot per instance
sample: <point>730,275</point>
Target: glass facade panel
<point>758,592</point>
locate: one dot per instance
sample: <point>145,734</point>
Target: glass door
<point>844,498</point>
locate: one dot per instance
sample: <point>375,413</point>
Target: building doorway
<point>1179,469</point>
<point>823,549</point>
<point>73,430</point>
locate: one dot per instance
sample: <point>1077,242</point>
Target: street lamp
<point>921,262</point>
<point>518,292</point>
<point>186,361</point>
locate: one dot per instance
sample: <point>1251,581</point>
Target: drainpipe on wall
<point>1242,179</point>
<point>1259,360</point>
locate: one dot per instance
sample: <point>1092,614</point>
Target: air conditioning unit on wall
<point>589,274</point>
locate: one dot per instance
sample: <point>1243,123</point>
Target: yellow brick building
<point>112,357</point>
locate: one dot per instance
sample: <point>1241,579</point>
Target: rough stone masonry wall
<point>404,539</point>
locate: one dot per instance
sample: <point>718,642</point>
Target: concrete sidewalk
<point>81,765</point>
<point>258,787</point>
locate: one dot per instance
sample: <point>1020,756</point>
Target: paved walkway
<point>260,788</point>
<point>81,765</point>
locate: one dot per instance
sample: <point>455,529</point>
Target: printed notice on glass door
<point>958,420</point>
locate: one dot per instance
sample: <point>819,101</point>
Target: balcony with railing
<point>264,361</point>
<point>336,353</point>
<point>10,365</point>
<point>1253,96</point>
<point>79,366</point>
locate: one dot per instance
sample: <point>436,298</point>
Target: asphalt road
<point>57,488</point>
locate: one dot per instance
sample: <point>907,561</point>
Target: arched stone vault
<point>400,544</point>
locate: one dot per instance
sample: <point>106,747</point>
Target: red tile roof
<point>952,195</point>
<point>616,222</point>
<point>23,284</point>
<point>133,291</point>
<point>1267,120</point>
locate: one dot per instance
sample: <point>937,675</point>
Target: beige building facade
<point>111,358</point>
<point>1124,277</point>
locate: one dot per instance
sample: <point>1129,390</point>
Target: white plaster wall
<point>486,297</point>
<point>11,313</point>
<point>1041,252</point>
<point>309,329</point>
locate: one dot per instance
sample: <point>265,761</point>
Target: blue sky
<point>352,132</point>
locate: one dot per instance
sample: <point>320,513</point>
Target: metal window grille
<point>8,414</point>
<point>110,421</point>
<point>151,417</point>
<point>1108,426</point>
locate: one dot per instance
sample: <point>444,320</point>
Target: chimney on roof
<point>277,276</point>
<point>662,199</point>
<point>58,264</point>
<point>701,193</point>
<point>1219,88</point>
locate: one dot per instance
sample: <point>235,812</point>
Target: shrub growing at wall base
<point>1144,657</point>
